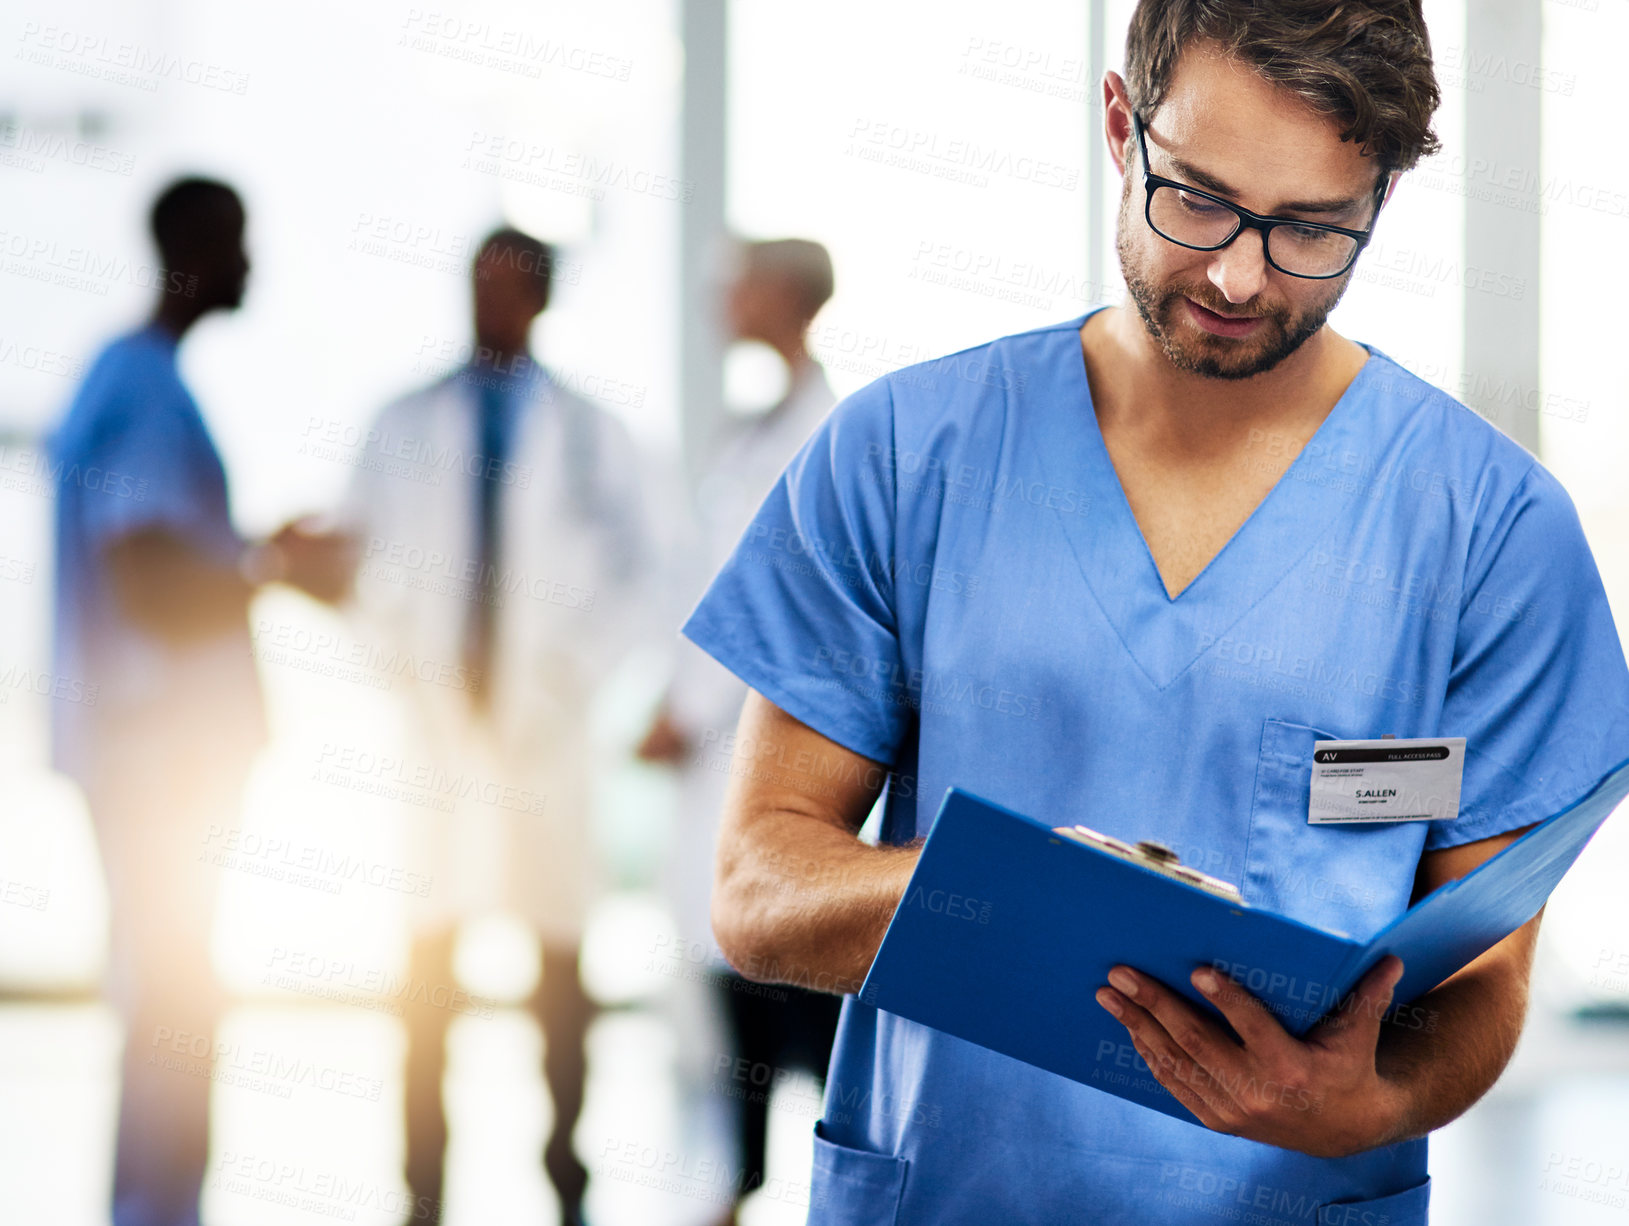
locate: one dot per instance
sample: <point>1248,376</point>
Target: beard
<point>1188,347</point>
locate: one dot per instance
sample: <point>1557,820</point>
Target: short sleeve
<point>142,469</point>
<point>803,611</point>
<point>1538,688</point>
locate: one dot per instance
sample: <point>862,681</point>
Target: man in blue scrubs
<point>152,590</point>
<point>1125,571</point>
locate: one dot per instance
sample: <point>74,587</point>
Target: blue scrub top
<point>133,453</point>
<point>948,579</point>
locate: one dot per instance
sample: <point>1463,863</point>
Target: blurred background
<point>949,157</point>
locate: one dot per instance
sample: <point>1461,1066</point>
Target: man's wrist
<point>1395,1112</point>
<point>262,562</point>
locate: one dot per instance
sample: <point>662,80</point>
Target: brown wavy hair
<point>1366,65</point>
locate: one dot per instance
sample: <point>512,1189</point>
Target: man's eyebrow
<point>1211,183</point>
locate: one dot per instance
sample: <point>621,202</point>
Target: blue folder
<point>1007,930</point>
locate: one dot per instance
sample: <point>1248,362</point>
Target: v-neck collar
<point>1165,634</point>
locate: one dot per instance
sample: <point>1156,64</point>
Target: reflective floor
<point>307,1103</point>
<point>306,1126</point>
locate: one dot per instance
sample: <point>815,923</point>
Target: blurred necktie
<point>494,441</point>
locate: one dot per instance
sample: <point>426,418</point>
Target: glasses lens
<point>1309,252</point>
<point>1185,217</point>
<point>1197,221</point>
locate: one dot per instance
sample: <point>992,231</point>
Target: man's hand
<point>1321,1095</point>
<point>320,563</point>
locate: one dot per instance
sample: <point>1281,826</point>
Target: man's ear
<point>1391,186</point>
<point>1117,119</point>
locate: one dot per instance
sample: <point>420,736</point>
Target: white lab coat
<point>574,558</point>
<point>705,698</point>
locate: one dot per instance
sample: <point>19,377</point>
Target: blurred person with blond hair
<point>776,290</point>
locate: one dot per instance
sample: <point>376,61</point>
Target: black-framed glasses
<point>1189,217</point>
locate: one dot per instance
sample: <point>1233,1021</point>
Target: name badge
<point>1389,780</point>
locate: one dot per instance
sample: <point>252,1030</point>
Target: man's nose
<point>1239,270</point>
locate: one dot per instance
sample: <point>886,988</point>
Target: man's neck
<point>1136,388</point>
<point>175,316</point>
<point>512,360</point>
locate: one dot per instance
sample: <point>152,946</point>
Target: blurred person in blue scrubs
<point>1125,571</point>
<point>153,584</point>
<point>501,526</point>
<point>774,296</point>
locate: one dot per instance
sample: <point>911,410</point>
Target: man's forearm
<point>167,587</point>
<point>807,903</point>
<point>1448,1048</point>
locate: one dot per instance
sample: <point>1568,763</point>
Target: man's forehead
<point>1263,142</point>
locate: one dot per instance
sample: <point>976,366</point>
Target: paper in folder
<point>1030,922</point>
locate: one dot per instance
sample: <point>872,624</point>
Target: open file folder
<point>1008,929</point>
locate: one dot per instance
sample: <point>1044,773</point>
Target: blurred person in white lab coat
<point>159,708</point>
<point>778,288</point>
<point>504,548</point>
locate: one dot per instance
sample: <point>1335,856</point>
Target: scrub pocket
<point>1402,1209</point>
<point>853,1187</point>
<point>1353,879</point>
